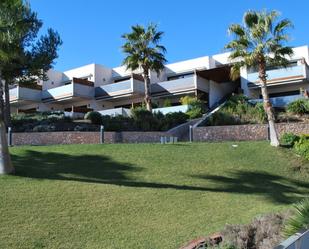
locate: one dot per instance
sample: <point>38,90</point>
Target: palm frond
<point>299,220</point>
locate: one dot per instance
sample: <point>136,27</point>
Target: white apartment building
<point>114,90</point>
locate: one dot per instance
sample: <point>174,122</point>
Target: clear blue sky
<point>91,29</point>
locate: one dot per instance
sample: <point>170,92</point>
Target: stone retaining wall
<point>245,132</point>
<point>68,137</point>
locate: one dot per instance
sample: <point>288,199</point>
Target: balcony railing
<point>296,241</point>
<point>173,86</point>
<point>74,89</point>
<point>279,101</point>
<point>289,74</point>
<point>171,109</point>
<point>119,89</point>
<point>19,93</point>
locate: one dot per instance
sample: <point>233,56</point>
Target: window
<point>122,79</point>
<point>282,94</point>
<point>179,76</point>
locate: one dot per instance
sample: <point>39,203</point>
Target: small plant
<point>94,117</point>
<point>302,146</point>
<point>299,107</point>
<point>167,103</point>
<point>299,220</point>
<point>289,139</point>
<point>196,107</point>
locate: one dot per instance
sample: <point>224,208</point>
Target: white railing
<point>178,108</point>
<point>116,112</point>
<point>68,91</point>
<point>178,85</point>
<point>297,241</point>
<point>24,93</point>
<point>120,88</point>
<point>281,74</point>
<point>279,101</point>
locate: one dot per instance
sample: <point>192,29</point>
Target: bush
<point>167,103</point>
<point>289,139</point>
<point>299,107</point>
<point>302,146</point>
<point>196,107</point>
<point>263,232</point>
<point>222,118</point>
<point>237,110</point>
<point>94,117</point>
<point>44,128</point>
<point>171,120</point>
<point>144,119</point>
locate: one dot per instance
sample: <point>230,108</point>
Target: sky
<point>91,29</point>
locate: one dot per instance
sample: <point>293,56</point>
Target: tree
<point>22,55</point>
<point>260,43</point>
<point>29,65</point>
<point>144,52</point>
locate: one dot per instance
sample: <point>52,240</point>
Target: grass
<point>141,195</point>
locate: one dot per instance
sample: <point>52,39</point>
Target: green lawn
<point>143,195</point>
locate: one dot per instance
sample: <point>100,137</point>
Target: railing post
<point>190,133</point>
<point>9,136</point>
<point>101,134</point>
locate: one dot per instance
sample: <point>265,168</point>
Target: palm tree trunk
<point>267,105</point>
<point>147,91</point>
<point>6,166</point>
<point>7,109</point>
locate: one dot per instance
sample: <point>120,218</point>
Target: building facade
<point>114,90</point>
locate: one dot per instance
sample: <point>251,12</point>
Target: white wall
<point>54,79</point>
<point>187,66</point>
<point>102,75</point>
<point>218,90</point>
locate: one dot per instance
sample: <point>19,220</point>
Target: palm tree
<point>260,43</point>
<point>144,52</point>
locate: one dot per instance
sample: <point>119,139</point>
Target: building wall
<point>218,90</point>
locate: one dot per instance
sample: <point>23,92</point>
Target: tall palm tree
<point>260,42</point>
<point>144,52</point>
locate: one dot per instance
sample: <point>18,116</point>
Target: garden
<point>239,110</point>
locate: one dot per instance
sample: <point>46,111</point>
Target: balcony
<point>174,86</point>
<point>77,89</point>
<point>126,88</point>
<point>279,102</point>
<point>291,74</point>
<point>25,94</point>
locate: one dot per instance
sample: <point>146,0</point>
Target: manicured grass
<point>143,195</point>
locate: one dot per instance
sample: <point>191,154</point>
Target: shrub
<point>299,107</point>
<point>221,118</point>
<point>196,107</point>
<point>171,120</point>
<point>302,146</point>
<point>263,232</point>
<point>167,103</point>
<point>195,112</point>
<point>187,100</point>
<point>44,128</point>
<point>288,139</point>
<point>94,117</point>
<point>299,220</point>
<point>144,119</point>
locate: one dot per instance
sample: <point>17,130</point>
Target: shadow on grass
<point>101,169</point>
<point>276,188</point>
